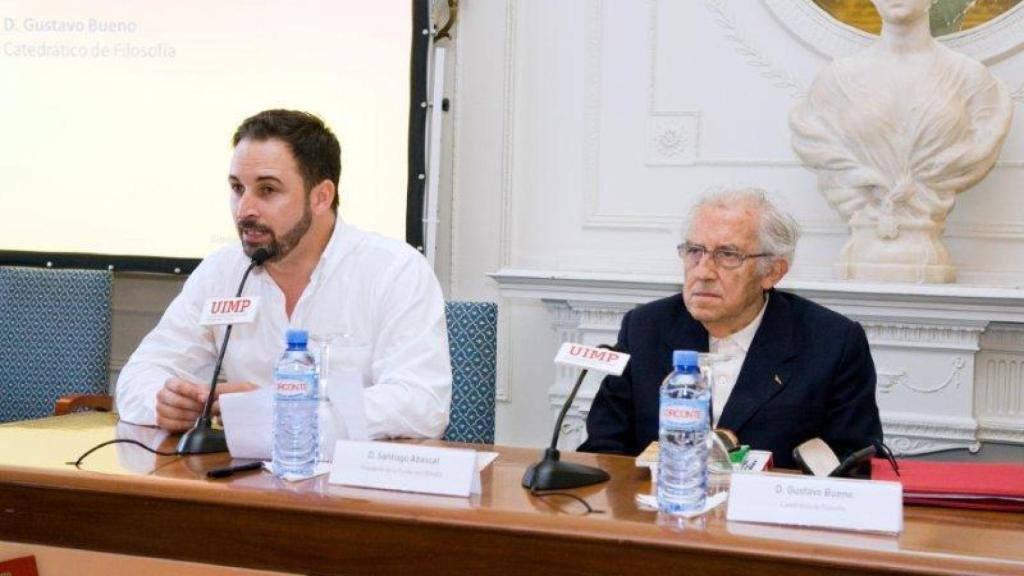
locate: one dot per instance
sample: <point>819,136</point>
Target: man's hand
<point>180,402</point>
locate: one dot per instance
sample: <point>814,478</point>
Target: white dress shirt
<point>380,292</point>
<point>731,351</point>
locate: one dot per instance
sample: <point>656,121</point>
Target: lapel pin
<point>778,380</point>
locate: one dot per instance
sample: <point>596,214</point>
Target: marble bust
<point>894,133</point>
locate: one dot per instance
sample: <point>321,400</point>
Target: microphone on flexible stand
<point>551,473</point>
<point>203,438</point>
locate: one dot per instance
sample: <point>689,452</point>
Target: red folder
<point>956,484</point>
<point>24,566</point>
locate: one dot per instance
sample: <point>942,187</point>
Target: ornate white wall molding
<point>507,129</point>
<point>752,55</point>
<point>915,302</point>
<point>909,433</point>
<point>926,341</point>
<point>1003,338</point>
<point>592,111</point>
<point>673,139</point>
<point>889,378</point>
<point>895,334</point>
<point>988,230</point>
<point>999,388</point>
<point>592,287</point>
<point>1003,430</point>
<point>588,323</point>
<point>832,39</point>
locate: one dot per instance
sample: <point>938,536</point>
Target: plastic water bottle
<point>683,429</point>
<point>296,434</point>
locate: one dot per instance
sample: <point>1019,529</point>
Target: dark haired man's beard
<point>278,249</point>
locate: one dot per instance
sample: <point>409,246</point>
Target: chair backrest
<point>54,337</point>
<point>473,343</point>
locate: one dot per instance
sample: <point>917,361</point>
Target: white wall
<point>583,129</point>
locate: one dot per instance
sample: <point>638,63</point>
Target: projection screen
<point>116,117</point>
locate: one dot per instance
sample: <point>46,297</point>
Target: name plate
<point>405,467</point>
<point>842,503</point>
<point>218,311</point>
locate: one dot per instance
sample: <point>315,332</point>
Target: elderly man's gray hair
<point>778,231</point>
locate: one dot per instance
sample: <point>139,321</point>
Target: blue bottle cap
<point>685,359</point>
<point>297,338</point>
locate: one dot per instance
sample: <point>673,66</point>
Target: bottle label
<point>295,387</point>
<point>686,415</point>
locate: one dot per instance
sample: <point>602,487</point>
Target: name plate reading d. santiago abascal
<point>405,467</point>
<point>823,502</point>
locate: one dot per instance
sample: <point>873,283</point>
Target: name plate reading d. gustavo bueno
<point>405,467</point>
<point>841,503</point>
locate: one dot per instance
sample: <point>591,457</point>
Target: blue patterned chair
<point>472,341</point>
<point>54,338</point>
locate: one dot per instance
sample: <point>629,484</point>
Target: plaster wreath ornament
<point>894,133</point>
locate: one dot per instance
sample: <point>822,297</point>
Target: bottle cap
<point>685,359</point>
<point>297,338</point>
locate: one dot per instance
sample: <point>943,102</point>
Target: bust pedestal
<point>913,254</point>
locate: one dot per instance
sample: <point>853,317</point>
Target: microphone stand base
<point>202,440</point>
<point>553,474</point>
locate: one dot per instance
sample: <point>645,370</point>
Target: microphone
<point>260,256</point>
<point>551,473</point>
<point>202,438</point>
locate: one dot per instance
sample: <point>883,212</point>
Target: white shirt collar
<point>745,337</point>
<point>342,241</point>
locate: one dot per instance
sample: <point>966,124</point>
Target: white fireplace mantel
<point>950,358</point>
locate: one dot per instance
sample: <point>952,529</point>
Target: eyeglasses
<point>725,258</point>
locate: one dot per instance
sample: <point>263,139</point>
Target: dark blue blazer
<point>808,373</point>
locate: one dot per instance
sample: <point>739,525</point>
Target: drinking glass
<point>719,464</point>
<point>334,351</point>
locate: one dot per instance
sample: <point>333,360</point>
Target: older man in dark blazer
<point>801,370</point>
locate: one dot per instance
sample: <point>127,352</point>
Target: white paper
<point>650,502</point>
<point>249,418</point>
<point>320,469</point>
<point>248,423</point>
<point>483,460</point>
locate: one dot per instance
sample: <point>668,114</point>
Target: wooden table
<point>127,501</point>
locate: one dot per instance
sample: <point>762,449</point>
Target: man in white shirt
<point>792,370</point>
<point>376,299</point>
